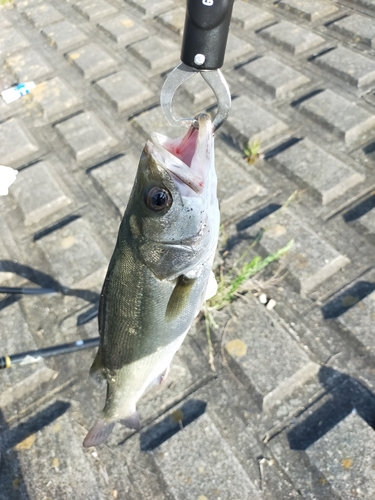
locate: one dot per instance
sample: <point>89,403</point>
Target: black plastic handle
<point>206,33</point>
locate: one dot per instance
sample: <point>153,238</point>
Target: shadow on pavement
<point>45,280</point>
<point>173,423</point>
<point>345,300</point>
<point>12,485</point>
<point>346,395</point>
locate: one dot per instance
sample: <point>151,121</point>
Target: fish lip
<point>186,243</point>
<point>165,153</point>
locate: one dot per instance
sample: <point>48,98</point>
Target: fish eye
<point>158,199</point>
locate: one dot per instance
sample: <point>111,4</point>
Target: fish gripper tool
<point>203,48</point>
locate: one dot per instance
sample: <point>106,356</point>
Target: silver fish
<point>160,272</point>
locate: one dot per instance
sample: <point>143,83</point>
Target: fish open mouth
<point>187,157</point>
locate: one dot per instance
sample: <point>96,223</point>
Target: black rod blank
<point>47,352</point>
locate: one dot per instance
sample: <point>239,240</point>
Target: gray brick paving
<point>123,29</point>
<point>123,90</point>
<point>339,116</point>
<point>275,421</point>
<point>249,16</point>
<point>63,35</point>
<point>349,66</point>
<point>29,66</point>
<point>262,127</point>
<point>274,76</point>
<point>306,162</point>
<point>357,27</point>
<point>92,61</point>
<point>17,146</point>
<point>95,10</point>
<point>42,15</point>
<point>308,9</point>
<point>291,37</point>
<point>38,179</point>
<point>85,136</point>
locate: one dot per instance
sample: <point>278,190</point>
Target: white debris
<point>17,91</point>
<point>7,177</point>
<point>271,304</point>
<point>263,298</point>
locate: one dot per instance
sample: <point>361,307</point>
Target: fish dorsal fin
<point>179,297</point>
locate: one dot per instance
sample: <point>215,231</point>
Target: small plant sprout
<point>252,151</point>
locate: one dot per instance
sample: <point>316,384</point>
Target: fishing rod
<point>28,357</point>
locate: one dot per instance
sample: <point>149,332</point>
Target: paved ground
<point>290,409</point>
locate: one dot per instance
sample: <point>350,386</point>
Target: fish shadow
<point>346,394</point>
<point>338,306</point>
<point>172,424</point>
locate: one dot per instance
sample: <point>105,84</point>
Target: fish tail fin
<point>98,433</point>
<point>132,422</point>
<point>96,370</point>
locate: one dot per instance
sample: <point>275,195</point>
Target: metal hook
<point>215,80</point>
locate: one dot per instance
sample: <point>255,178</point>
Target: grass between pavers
<point>232,283</point>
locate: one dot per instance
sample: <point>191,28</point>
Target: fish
<point>160,272</point>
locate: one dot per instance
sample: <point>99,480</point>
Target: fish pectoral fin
<point>212,287</point>
<point>179,297</point>
<point>132,422</point>
<point>99,433</point>
<point>96,370</point>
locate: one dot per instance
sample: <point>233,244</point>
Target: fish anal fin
<point>132,422</point>
<point>98,433</point>
<point>96,370</point>
<point>179,297</point>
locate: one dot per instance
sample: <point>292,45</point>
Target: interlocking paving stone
<point>38,193</point>
<point>123,29</point>
<point>367,222</point>
<point>369,4</point>
<point>354,310</point>
<point>274,76</point>
<point>11,41</point>
<point>93,10</point>
<point>357,27</point>
<point>151,7</point>
<point>152,120</point>
<point>29,66</point>
<point>156,53</point>
<point>64,470</point>
<point>248,16</point>
<point>17,146</point>
<point>12,319</point>
<point>253,337</point>
<point>55,98</point>
<point>210,471</point>
<point>116,178</point>
<point>174,19</point>
<point>345,456</point>
<point>326,176</point>
<point>311,260</point>
<point>261,127</point>
<point>197,90</point>
<point>42,15</point>
<point>123,90</point>
<point>85,135</point>
<point>352,67</point>
<point>308,9</point>
<point>291,37</point>
<point>73,254</point>
<point>338,115</point>
<point>92,60</point>
<point>63,35</point>
<point>236,48</point>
